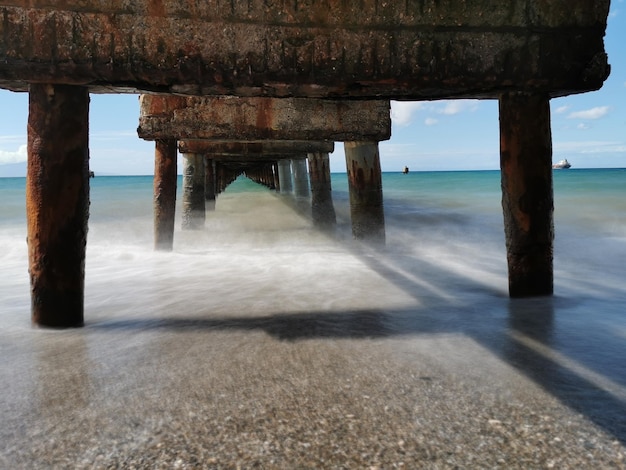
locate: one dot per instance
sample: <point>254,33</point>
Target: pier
<point>245,130</point>
<point>520,53</point>
<point>329,353</point>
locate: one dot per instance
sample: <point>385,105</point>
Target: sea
<point>442,270</point>
<point>444,230</point>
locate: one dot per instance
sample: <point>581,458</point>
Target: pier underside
<point>401,50</point>
<point>343,59</point>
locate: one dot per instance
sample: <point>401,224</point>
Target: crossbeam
<point>418,49</point>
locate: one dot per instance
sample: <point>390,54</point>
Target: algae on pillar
<point>366,191</point>
<point>57,202</point>
<point>527,194</point>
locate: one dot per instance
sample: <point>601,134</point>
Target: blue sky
<point>588,129</point>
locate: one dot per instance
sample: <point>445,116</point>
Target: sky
<point>588,129</point>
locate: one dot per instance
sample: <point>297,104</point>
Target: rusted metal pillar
<point>164,194</point>
<point>193,192</point>
<point>284,174</point>
<point>209,183</point>
<point>322,208</point>
<point>527,195</point>
<point>57,202</point>
<point>366,191</point>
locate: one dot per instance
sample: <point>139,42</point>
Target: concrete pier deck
<point>244,375</point>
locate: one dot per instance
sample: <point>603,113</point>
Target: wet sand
<point>243,375</point>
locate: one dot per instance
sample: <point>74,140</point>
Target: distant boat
<point>562,165</point>
<point>405,170</point>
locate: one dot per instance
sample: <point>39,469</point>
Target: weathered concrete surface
<point>193,192</point>
<point>254,149</point>
<point>209,183</point>
<point>322,209</point>
<point>230,118</point>
<point>164,194</point>
<point>366,191</point>
<point>284,176</point>
<point>57,202</point>
<point>300,178</point>
<point>527,195</point>
<point>318,48</point>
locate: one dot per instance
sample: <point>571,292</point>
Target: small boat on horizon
<point>562,165</point>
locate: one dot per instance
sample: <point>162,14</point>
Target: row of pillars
<point>202,175</point>
<point>57,196</point>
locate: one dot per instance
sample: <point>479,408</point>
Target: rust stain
<point>155,8</point>
<point>265,115</point>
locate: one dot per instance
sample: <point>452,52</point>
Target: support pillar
<point>284,175</point>
<point>300,178</point>
<point>164,194</point>
<point>193,192</point>
<point>366,191</point>
<point>209,184</point>
<point>322,209</point>
<point>527,194</point>
<point>276,177</point>
<point>57,202</point>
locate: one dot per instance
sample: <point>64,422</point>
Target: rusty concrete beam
<point>424,49</point>
<point>255,149</point>
<point>228,118</point>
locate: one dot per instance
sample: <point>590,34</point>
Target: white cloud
<point>402,111</point>
<point>13,157</point>
<point>430,121</point>
<point>452,107</point>
<point>593,113</point>
<point>582,126</point>
<point>561,109</point>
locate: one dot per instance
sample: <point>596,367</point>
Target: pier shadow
<point>523,339</point>
<point>526,334</point>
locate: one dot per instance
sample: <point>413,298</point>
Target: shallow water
<point>436,292</point>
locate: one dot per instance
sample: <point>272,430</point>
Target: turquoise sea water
<point>452,217</point>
